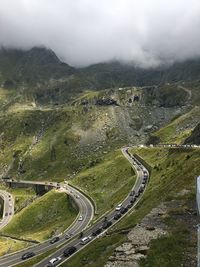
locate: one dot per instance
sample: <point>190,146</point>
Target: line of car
<point>120,211</point>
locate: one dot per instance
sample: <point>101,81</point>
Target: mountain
<point>40,75</point>
<point>30,67</point>
<point>112,74</point>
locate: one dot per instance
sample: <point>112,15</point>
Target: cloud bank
<point>83,32</point>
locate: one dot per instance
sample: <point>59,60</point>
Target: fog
<point>83,32</point>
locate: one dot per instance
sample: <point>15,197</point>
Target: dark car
<point>133,200</point>
<point>69,251</point>
<point>28,255</point>
<point>106,224</point>
<point>117,216</point>
<point>6,214</point>
<point>54,240</point>
<point>130,205</point>
<point>97,232</point>
<point>123,210</point>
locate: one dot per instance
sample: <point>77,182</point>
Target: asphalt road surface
<point>141,173</point>
<point>8,209</point>
<point>85,209</point>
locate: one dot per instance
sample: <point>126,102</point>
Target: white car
<point>54,261</point>
<point>80,218</point>
<point>118,206</point>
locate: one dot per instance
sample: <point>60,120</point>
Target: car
<point>28,255</point>
<point>68,235</point>
<point>132,193</point>
<point>97,232</point>
<point>80,218</point>
<point>54,240</point>
<point>6,214</point>
<point>54,261</point>
<point>141,189</point>
<point>137,194</point>
<point>10,205</point>
<point>10,213</point>
<point>106,224</point>
<point>133,200</point>
<point>123,210</point>
<point>130,205</point>
<point>69,251</point>
<point>118,206</point>
<point>117,216</point>
<point>85,240</point>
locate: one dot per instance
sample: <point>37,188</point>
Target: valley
<point>68,129</point>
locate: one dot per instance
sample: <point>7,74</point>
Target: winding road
<point>141,173</point>
<point>85,209</point>
<point>8,209</point>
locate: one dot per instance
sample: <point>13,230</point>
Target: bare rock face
<point>136,248</point>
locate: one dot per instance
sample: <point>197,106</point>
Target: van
<point>85,240</point>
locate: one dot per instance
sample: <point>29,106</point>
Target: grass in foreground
<point>46,216</point>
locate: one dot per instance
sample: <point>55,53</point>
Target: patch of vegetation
<point>46,216</point>
<point>171,173</point>
<point>108,182</point>
<point>179,129</point>
<point>88,256</point>
<point>23,196</point>
<point>8,245</point>
<point>36,259</point>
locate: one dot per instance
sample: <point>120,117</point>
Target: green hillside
<point>173,172</point>
<point>180,128</point>
<point>38,221</point>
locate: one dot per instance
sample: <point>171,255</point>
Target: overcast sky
<point>82,32</point>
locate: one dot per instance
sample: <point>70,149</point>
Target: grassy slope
<point>179,129</point>
<point>23,196</point>
<point>108,182</point>
<point>38,221</point>
<point>8,245</point>
<point>173,171</point>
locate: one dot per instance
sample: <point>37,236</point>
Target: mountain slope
<point>31,67</point>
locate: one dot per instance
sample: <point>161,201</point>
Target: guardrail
<point>144,163</point>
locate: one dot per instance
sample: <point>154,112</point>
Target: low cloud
<point>83,32</point>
